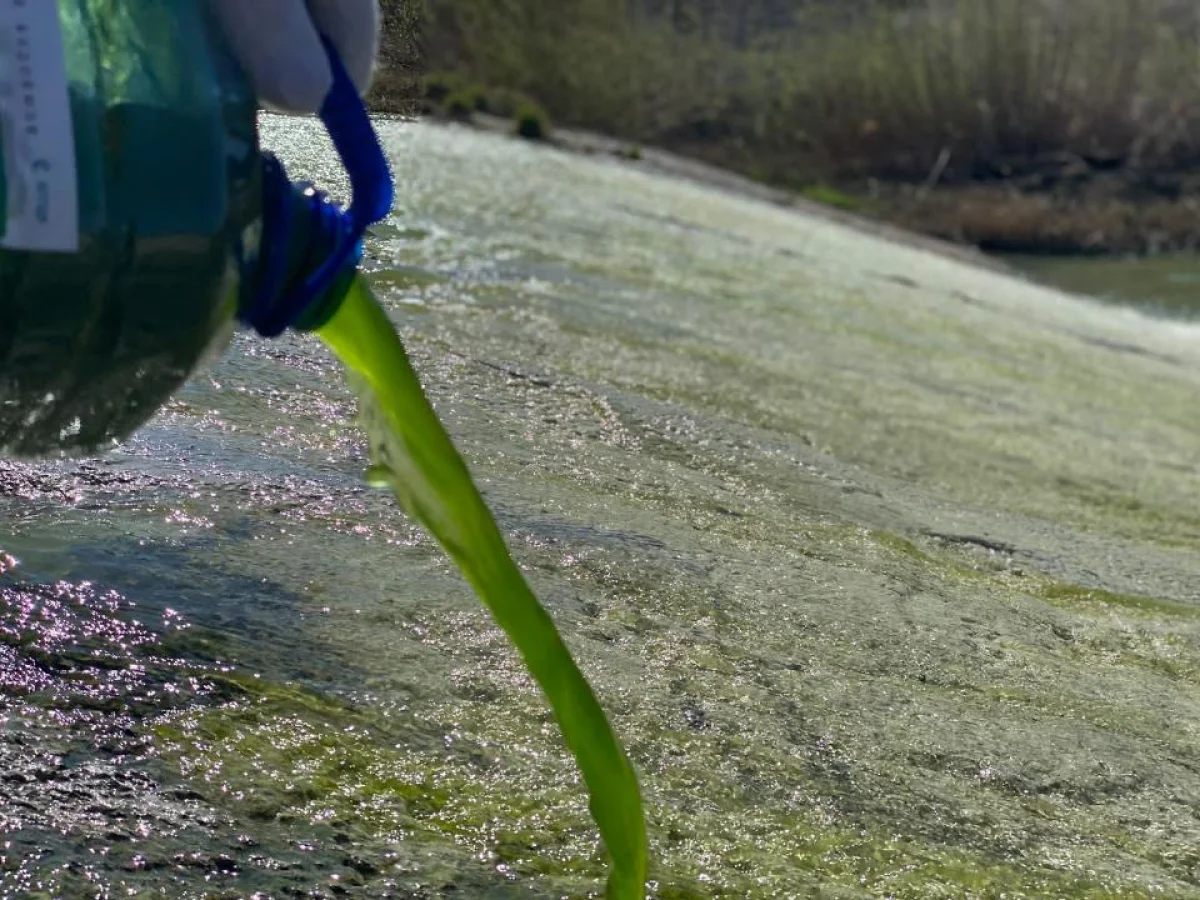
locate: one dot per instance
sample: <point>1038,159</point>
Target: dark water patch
<point>76,650</point>
<point>391,231</point>
<point>1130,349</point>
<point>85,484</point>
<point>264,619</point>
<point>991,545</point>
<point>902,280</point>
<point>135,760</point>
<point>550,530</point>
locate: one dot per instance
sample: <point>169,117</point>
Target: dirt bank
<point>1061,205</point>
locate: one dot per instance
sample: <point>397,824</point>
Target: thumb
<point>354,28</point>
<point>279,48</point>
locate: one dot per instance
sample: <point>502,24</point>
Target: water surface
<point>884,567</point>
<point>1166,285</point>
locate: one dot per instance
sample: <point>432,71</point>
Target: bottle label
<point>41,202</point>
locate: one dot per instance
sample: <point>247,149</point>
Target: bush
<point>398,86</point>
<point>997,86</point>
<point>830,196</point>
<point>438,86</point>
<point>460,105</point>
<point>466,101</point>
<point>915,90</point>
<point>504,102</point>
<point>532,123</point>
<point>395,91</point>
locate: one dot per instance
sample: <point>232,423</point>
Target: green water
<point>83,374</point>
<point>1166,285</point>
<point>883,568</point>
<point>412,455</point>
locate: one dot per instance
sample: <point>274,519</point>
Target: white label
<point>36,130</point>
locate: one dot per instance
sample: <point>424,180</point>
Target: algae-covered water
<point>884,567</point>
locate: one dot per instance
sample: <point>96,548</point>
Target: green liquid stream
<point>412,454</point>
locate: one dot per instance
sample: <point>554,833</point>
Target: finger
<point>354,27</point>
<point>280,50</point>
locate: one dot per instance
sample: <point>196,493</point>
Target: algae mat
<point>883,566</point>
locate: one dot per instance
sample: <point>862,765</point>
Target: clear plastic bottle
<point>140,217</point>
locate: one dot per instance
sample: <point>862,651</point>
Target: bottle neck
<point>288,283</point>
<point>310,246</point>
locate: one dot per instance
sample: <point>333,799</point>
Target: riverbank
<point>1019,128</point>
<point>1065,208</point>
<point>1059,207</point>
<point>665,162</point>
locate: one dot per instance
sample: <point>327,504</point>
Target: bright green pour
<point>412,452</point>
<point>92,343</point>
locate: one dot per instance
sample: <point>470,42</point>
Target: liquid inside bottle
<point>164,167</point>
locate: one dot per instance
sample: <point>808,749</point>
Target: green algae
<point>857,557</point>
<point>749,472</point>
<point>902,546</point>
<point>301,757</point>
<point>1098,600</point>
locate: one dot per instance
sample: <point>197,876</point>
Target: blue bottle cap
<point>281,299</point>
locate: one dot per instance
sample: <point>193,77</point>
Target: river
<point>884,566</point>
<point>1166,285</point>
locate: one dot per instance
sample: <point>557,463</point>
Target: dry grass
<point>988,88</point>
<point>1045,96</point>
<point>996,217</point>
<point>397,85</point>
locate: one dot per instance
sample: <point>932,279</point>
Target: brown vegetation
<point>1071,124</point>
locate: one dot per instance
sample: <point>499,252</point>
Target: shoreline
<point>1058,207</point>
<point>675,165</point>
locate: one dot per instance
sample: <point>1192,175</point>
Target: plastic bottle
<point>141,220</point>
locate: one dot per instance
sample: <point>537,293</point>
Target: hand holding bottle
<point>278,43</point>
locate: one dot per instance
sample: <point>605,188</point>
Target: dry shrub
<point>986,88</point>
<point>997,217</point>
<point>944,90</point>
<point>397,83</point>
